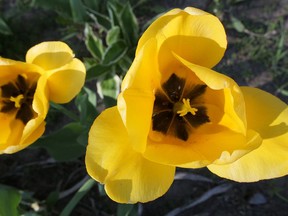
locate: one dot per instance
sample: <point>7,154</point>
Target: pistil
<point>184,107</point>
<point>17,100</point>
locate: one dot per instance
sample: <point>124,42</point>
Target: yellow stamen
<point>17,100</point>
<point>186,107</point>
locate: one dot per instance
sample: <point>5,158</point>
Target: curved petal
<point>40,102</point>
<point>23,135</point>
<point>269,117</point>
<point>14,138</point>
<point>10,69</point>
<point>50,55</point>
<point>65,82</point>
<point>210,144</point>
<point>135,103</point>
<point>234,106</point>
<point>32,131</point>
<point>128,177</point>
<point>191,33</point>
<point>5,130</point>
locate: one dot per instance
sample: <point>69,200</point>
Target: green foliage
<point>4,28</point>
<point>9,201</point>
<point>66,140</point>
<point>77,197</point>
<point>127,210</point>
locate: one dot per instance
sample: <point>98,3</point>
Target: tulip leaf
<point>63,145</point>
<point>93,43</point>
<point>4,28</point>
<point>77,197</point>
<point>112,35</point>
<point>114,53</point>
<point>9,200</point>
<point>127,210</point>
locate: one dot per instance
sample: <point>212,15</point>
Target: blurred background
<point>45,178</point>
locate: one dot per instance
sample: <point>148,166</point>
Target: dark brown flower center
<point>177,109</point>
<point>17,97</point>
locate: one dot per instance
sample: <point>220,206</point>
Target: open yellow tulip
<point>50,73</point>
<point>174,111</point>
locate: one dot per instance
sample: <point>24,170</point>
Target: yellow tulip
<point>174,111</point>
<point>50,73</point>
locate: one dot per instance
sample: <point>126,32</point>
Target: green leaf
<point>114,9</point>
<point>124,16</point>
<point>77,10</point>
<point>127,210</point>
<point>77,197</point>
<point>96,71</point>
<point>109,87</point>
<point>114,53</point>
<point>63,145</point>
<point>125,64</point>
<point>237,24</point>
<point>109,101</point>
<point>93,4</point>
<point>113,35</point>
<point>86,104</point>
<point>52,198</point>
<point>129,25</point>
<point>4,28</point>
<point>62,7</point>
<point>93,43</point>
<point>100,19</point>
<point>9,200</point>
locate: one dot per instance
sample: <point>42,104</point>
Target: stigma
<point>17,100</point>
<point>17,97</point>
<point>185,108</point>
<point>172,111</point>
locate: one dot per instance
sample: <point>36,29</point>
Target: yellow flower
<point>50,73</point>
<point>174,111</point>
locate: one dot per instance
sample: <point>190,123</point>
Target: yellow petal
<point>10,69</point>
<point>40,102</point>
<point>267,115</point>
<point>191,33</point>
<point>234,107</point>
<point>50,55</point>
<point>5,130</point>
<point>22,136</point>
<point>33,130</point>
<point>110,159</point>
<point>65,83</point>
<point>14,138</point>
<point>135,103</point>
<point>206,145</point>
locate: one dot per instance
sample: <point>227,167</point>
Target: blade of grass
<point>77,197</point>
